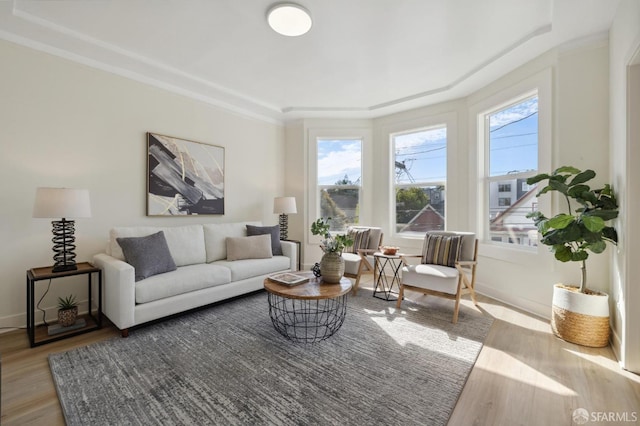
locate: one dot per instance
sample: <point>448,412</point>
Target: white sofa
<point>203,275</point>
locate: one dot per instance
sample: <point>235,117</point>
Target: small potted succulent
<point>332,263</point>
<point>67,310</point>
<point>579,315</point>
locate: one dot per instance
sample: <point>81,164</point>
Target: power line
<point>513,146</point>
<point>515,121</point>
<point>422,152</point>
<point>514,136</point>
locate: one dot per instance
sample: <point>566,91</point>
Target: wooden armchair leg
<point>400,296</point>
<point>124,332</point>
<point>356,285</point>
<point>456,309</point>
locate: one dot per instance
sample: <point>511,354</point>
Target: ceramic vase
<point>332,267</point>
<point>67,317</point>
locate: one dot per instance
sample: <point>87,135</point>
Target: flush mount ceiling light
<point>289,19</point>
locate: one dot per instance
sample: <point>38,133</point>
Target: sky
<point>337,158</point>
<point>513,134</point>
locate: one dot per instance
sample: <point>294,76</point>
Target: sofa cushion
<point>249,268</point>
<point>114,249</point>
<point>274,231</point>
<point>255,247</point>
<point>183,280</point>
<point>215,237</point>
<point>148,255</point>
<point>186,243</point>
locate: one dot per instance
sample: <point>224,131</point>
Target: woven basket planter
<point>67,317</point>
<point>332,267</point>
<point>580,318</point>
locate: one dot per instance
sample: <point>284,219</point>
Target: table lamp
<point>284,206</point>
<point>62,203</point>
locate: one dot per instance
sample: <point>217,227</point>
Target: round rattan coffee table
<point>309,312</point>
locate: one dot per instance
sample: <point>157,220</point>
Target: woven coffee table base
<point>307,321</point>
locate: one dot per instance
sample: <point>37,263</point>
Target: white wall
<point>64,124</point>
<point>625,175</point>
<point>579,126</point>
<point>579,133</point>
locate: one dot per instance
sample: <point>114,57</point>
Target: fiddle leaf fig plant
<point>582,228</point>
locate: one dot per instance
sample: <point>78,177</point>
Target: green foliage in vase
<point>68,302</point>
<point>330,243</point>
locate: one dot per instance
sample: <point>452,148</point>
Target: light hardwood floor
<point>523,375</point>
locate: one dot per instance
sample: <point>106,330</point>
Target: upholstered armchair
<point>447,267</point>
<point>358,258</point>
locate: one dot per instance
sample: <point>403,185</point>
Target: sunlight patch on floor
<point>602,361</point>
<point>525,373</point>
<point>405,332</point>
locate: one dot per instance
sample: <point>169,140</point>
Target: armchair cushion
<point>433,277</point>
<point>441,249</point>
<point>351,263</point>
<point>360,237</point>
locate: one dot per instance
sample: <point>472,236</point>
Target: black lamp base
<point>284,226</point>
<point>64,245</point>
<point>64,268</point>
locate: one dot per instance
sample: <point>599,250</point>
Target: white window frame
<point>313,199</point>
<point>540,84</point>
<point>453,181</point>
<point>394,224</point>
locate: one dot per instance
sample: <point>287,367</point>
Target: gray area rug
<point>226,365</point>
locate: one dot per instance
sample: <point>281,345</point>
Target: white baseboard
<point>536,308</point>
<point>51,315</point>
<point>616,346</point>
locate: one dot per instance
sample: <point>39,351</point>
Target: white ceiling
<point>362,58</point>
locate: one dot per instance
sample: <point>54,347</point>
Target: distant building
<point>431,216</point>
<point>510,202</point>
<point>427,219</point>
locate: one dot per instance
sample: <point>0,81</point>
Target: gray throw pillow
<point>274,231</point>
<point>149,255</point>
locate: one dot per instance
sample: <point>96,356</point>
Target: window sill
<point>533,256</point>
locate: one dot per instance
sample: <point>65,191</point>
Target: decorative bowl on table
<point>389,250</point>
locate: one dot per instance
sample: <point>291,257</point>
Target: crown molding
<point>166,77</point>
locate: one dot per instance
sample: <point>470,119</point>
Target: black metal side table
<point>38,334</point>
<point>384,284</point>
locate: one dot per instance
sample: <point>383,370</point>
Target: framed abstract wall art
<point>184,177</point>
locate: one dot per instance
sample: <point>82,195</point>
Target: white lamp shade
<point>289,19</point>
<point>284,205</point>
<point>56,203</point>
